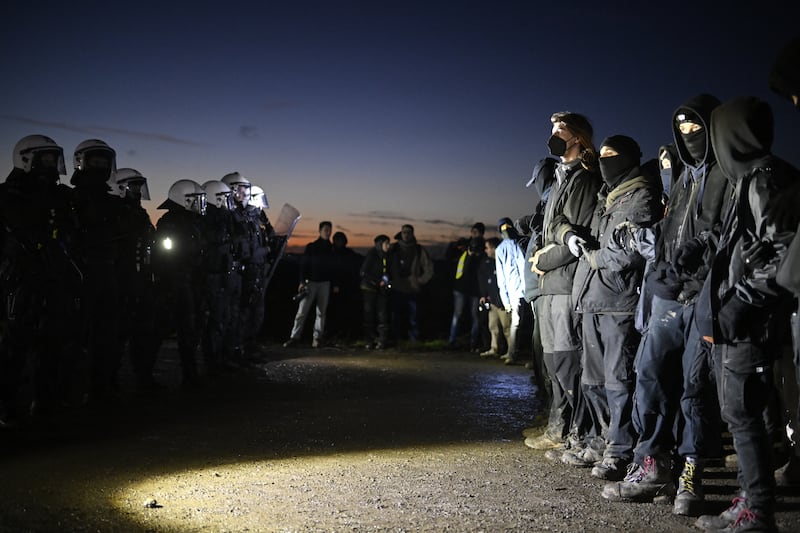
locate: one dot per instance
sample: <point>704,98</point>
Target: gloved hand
<point>508,309</point>
<point>622,236</point>
<point>689,256</point>
<point>756,254</point>
<point>574,244</point>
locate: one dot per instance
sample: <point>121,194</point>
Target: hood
<point>742,134</point>
<point>784,77</point>
<point>701,105</point>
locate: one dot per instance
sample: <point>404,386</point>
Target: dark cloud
<point>383,215</point>
<point>95,130</point>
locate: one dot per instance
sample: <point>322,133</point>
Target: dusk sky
<point>374,114</point>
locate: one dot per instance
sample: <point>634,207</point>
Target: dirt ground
<point>319,440</point>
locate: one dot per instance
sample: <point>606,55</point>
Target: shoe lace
<point>634,473</point>
<point>687,477</point>
<point>744,516</point>
<point>736,502</point>
<point>649,465</point>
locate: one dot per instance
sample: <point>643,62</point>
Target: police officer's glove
<point>574,244</point>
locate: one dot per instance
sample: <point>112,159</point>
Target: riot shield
<point>284,226</point>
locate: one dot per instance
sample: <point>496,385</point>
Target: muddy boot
<point>725,518</point>
<point>751,520</point>
<point>689,499</point>
<point>789,474</point>
<point>643,483</point>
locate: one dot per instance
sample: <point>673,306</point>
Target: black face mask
<point>695,143</point>
<point>557,145</point>
<point>613,169</point>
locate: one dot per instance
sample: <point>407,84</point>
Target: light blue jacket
<point>510,264</point>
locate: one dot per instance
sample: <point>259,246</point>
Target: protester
<point>411,268</point>
<point>316,273</point>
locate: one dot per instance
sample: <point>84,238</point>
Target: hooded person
<point>510,264</point>
<point>784,76</point>
<point>671,344</point>
<point>785,81</point>
<point>541,183</point>
<point>741,310</point>
<point>606,292</point>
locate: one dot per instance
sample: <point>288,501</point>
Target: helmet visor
<point>48,159</point>
<point>136,189</point>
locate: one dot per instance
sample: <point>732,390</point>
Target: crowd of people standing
<point>661,293</point>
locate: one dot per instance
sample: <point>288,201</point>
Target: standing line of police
<point>86,277</point>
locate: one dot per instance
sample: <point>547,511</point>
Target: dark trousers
<point>745,379</point>
<point>609,347</point>
<point>702,423</point>
<point>659,377</point>
<point>376,315</point>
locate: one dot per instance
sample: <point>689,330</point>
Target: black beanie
<point>382,238</point>
<point>625,147</point>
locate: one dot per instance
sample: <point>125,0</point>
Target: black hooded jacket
<point>742,304</point>
<point>609,273</point>
<point>569,209</point>
<point>696,204</point>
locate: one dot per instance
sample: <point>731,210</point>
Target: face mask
<point>613,168</point>
<point>695,144</point>
<point>557,145</point>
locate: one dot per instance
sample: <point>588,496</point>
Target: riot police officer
<point>98,233</point>
<point>39,280</point>
<point>135,273</point>
<point>179,277</point>
<point>223,276</point>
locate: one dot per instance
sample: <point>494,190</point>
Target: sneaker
<point>316,343</point>
<point>554,455</point>
<point>725,518</point>
<point>789,474</point>
<point>689,498</point>
<point>642,483</point>
<point>582,457</point>
<point>291,342</point>
<point>543,442</point>
<point>380,346</point>
<point>610,468</point>
<point>489,353</point>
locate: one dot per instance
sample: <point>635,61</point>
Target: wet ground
<point>319,440</point>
